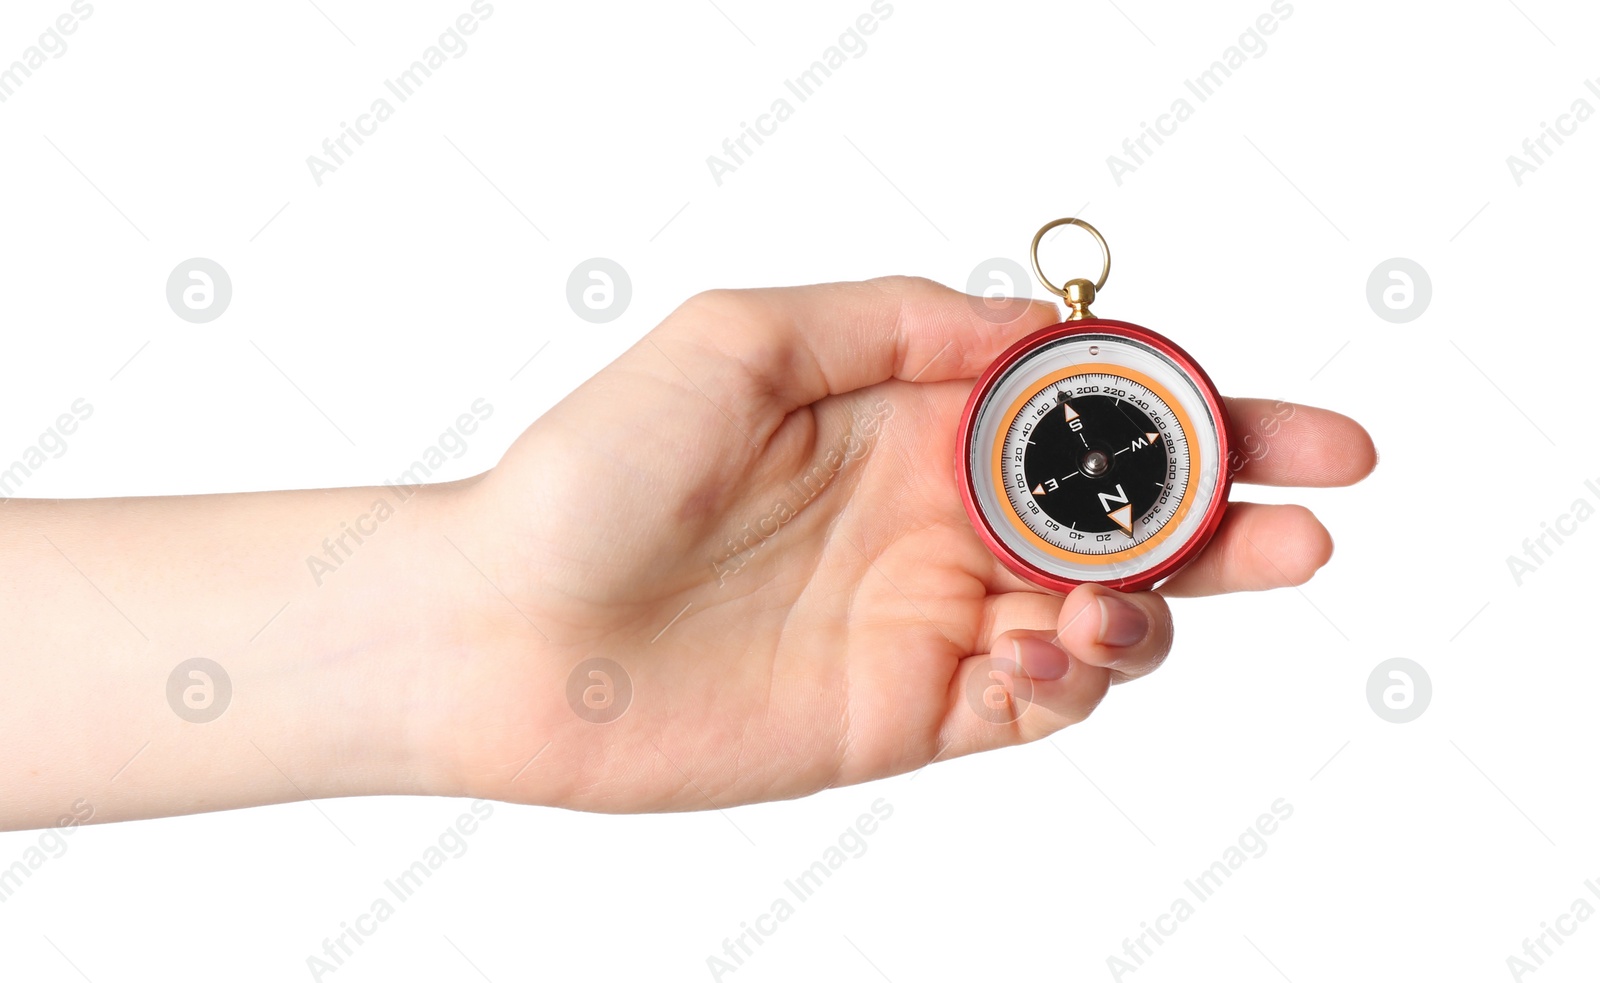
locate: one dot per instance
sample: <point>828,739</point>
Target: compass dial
<point>1095,463</point>
<point>1093,452</point>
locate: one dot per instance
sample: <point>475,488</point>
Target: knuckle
<point>902,284</point>
<point>1166,625</point>
<point>718,303</point>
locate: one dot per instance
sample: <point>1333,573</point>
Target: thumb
<point>800,344</point>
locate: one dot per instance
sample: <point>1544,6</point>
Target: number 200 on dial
<point>1094,452</point>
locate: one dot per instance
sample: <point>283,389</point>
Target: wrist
<point>493,717</point>
<point>396,652</point>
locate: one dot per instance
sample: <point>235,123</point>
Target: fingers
<point>1279,443</point>
<point>1256,547</point>
<point>1128,634</point>
<point>1035,681</point>
<point>1024,689</point>
<point>799,344</point>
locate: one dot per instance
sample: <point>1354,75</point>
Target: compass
<point>1094,451</point>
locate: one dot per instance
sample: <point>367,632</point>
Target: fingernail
<point>1122,623</point>
<point>1039,659</point>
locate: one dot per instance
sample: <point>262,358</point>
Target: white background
<point>428,269</point>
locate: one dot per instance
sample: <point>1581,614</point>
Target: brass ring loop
<point>1105,270</point>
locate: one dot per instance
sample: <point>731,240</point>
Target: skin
<point>752,515</point>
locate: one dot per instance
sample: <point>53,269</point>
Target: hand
<point>752,515</point>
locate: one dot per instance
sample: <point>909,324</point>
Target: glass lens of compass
<point>1095,458</point>
<point>1115,450</point>
<point>1132,447</point>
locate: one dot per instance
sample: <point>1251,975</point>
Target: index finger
<point>1281,443</point>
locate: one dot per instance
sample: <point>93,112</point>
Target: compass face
<point>1093,453</point>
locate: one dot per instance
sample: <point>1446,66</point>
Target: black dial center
<point>1096,463</point>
